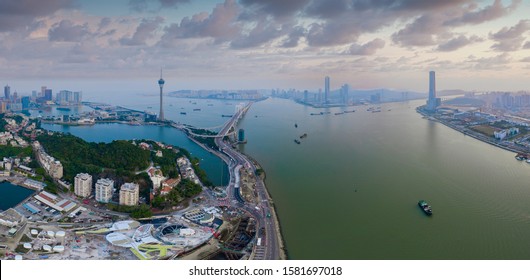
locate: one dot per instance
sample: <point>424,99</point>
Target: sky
<point>121,45</point>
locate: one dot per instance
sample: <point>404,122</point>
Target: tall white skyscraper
<point>104,190</point>
<point>432,102</point>
<point>83,185</point>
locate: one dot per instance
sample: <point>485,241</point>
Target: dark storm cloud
<point>220,25</point>
<point>510,39</point>
<point>143,32</point>
<point>66,31</point>
<point>369,48</point>
<point>20,13</point>
<point>458,42</point>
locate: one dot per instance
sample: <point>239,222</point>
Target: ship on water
<point>425,207</point>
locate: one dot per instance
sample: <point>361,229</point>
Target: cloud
<point>275,8</point>
<point>327,9</point>
<point>293,37</point>
<point>526,45</point>
<point>262,33</point>
<point>143,32</point>
<point>495,11</point>
<point>15,14</point>
<point>369,48</point>
<point>171,3</point>
<point>487,63</point>
<point>220,25</point>
<point>510,39</point>
<point>526,59</point>
<point>143,5</point>
<point>67,31</point>
<point>458,42</point>
<point>434,26</point>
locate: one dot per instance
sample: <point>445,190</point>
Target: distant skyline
<point>120,46</point>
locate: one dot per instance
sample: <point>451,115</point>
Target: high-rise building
<point>42,91</point>
<point>306,96</point>
<point>77,98</point>
<point>326,90</point>
<point>104,190</point>
<point>129,194</point>
<point>7,92</point>
<point>161,83</point>
<point>432,102</point>
<point>83,185</point>
<point>48,94</point>
<point>25,100</point>
<point>345,93</point>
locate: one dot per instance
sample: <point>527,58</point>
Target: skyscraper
<point>432,102</point>
<point>7,92</point>
<point>326,90</point>
<point>161,83</point>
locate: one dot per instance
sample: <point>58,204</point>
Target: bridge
<point>226,128</point>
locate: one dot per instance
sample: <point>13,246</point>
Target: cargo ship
<point>297,141</point>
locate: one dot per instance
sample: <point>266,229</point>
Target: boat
<point>226,116</point>
<point>297,141</point>
<point>340,113</point>
<point>521,156</point>
<point>425,207</point>
<point>376,111</point>
<point>183,113</point>
<point>210,104</point>
<point>352,111</point>
<point>63,109</point>
<point>149,107</point>
<point>295,125</point>
<point>196,109</point>
<point>303,136</point>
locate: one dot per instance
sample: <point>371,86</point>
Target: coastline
<point>466,132</point>
<point>278,228</point>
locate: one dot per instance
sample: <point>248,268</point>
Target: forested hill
<point>78,156</point>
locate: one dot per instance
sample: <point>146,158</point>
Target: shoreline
<point>472,135</point>
<point>278,228</point>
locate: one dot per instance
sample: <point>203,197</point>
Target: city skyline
<point>98,46</point>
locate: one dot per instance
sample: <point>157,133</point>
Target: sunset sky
<point>95,45</point>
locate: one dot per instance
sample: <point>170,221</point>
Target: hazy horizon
<point>96,46</point>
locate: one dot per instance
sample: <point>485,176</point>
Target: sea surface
<point>350,189</point>
<point>11,195</point>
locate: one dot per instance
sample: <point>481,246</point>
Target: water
<point>350,189</point>
<point>215,168</point>
<point>11,195</point>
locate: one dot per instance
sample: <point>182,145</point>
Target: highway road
<point>269,224</point>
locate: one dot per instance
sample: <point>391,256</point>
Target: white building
<point>83,185</point>
<point>104,190</point>
<point>129,194</point>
